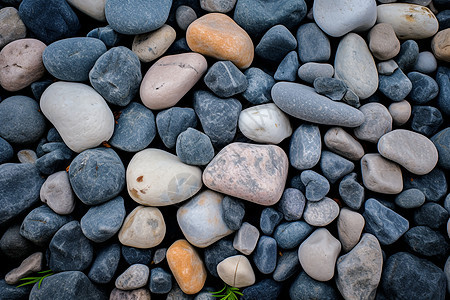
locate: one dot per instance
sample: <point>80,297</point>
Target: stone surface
<point>246,238</point>
<point>105,264</point>
<point>160,281</point>
<point>107,35</point>
<point>94,9</point>
<point>304,287</point>
<point>12,27</point>
<point>433,185</point>
<point>321,213</point>
<point>15,246</point>
<point>426,63</point>
<point>185,15</point>
<point>265,256</point>
<point>426,242</point>
<point>440,44</point>
<point>387,67</point>
<point>6,151</point>
<point>290,234</point>
<point>288,67</point>
<point>426,120</point>
<point>381,175</point>
<point>31,264</point>
<point>333,88</point>
<point>377,122</point>
<point>424,88</point>
<point>334,166</point>
<point>225,79</point>
<point>351,191</point>
<point>342,143</point>
<point>259,85</point>
<point>383,42</point>
<point>11,292</point>
<point>432,215</point>
<point>173,121</point>
<point>236,271</point>
<point>233,211</point>
<point>217,252</point>
<point>310,71</point>
<point>57,193</point>
<point>440,141</point>
<point>269,219</point>
<point>443,80</point>
<point>410,198</point>
<point>266,288</point>
<point>313,44</point>
<point>134,255</point>
<point>141,294</point>
<point>287,265</point>
<point>395,86</point>
<point>316,185</point>
<point>152,45</point>
<point>276,43</point>
<point>400,112</point>
<point>409,52</point>
<point>194,147</point>
<point>134,277</point>
<point>292,204</point>
<point>305,146</point>
<point>350,225</point>
<point>159,255</point>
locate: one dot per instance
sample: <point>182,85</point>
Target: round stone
<point>440,44</point>
<point>57,193</point>
<point>236,271</point>
<point>400,112</point>
<point>222,6</point>
<point>410,198</point>
<point>134,277</point>
<point>305,147</point>
<point>377,122</point>
<point>185,15</point>
<point>383,42</point>
<point>321,213</point>
<point>381,175</point>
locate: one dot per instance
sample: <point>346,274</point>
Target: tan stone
<point>381,175</point>
<point>139,294</point>
<point>31,264</point>
<point>441,45</point>
<point>93,8</point>
<point>342,143</point>
<point>350,225</point>
<point>400,112</point>
<point>236,271</point>
<point>11,26</point>
<point>383,42</point>
<point>150,46</point>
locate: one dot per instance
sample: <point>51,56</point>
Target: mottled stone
<point>441,141</point>
<point>193,147</point>
<point>225,79</point>
<point>134,255</point>
<point>152,45</point>
<point>160,281</point>
<point>426,120</point>
<point>259,86</point>
<point>395,86</point>
<point>107,35</point>
<point>339,141</point>
<point>288,67</point>
<point>236,271</point>
<point>287,265</point>
<point>305,146</point>
<point>433,185</point>
<point>424,241</point>
<point>222,6</point>
<point>184,16</point>
<point>316,185</point>
<point>11,26</point>
<point>292,204</point>
<point>290,234</point>
<point>322,212</point>
<point>246,238</point>
<point>265,289</point>
<point>141,294</point>
<point>276,43</point>
<point>351,191</point>
<point>27,156</point>
<point>233,211</point>
<point>94,9</point>
<point>387,67</point>
<point>304,287</point>
<point>409,52</point>
<point>432,215</point>
<point>313,44</point>
<point>134,277</point>
<point>439,45</point>
<point>217,252</point>
<point>424,88</point>
<point>31,264</point>
<point>410,198</point>
<point>334,166</point>
<point>333,88</point>
<point>265,256</point>
<point>6,151</point>
<point>269,219</point>
<point>381,175</point>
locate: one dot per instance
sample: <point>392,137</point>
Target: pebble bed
<point>294,149</point>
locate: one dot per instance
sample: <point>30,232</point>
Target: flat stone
<point>233,211</point>
<point>56,156</point>
<point>265,256</point>
<point>410,198</point>
<point>217,252</point>
<point>426,120</point>
<point>141,294</point>
<point>433,185</point>
<point>105,264</point>
<point>276,43</point>
<point>152,45</point>
<point>381,175</point>
<point>225,79</point>
<point>440,141</point>
<point>383,42</point>
<point>259,85</point>
<point>194,147</point>
<point>134,255</point>
<point>439,45</point>
<point>12,27</point>
<point>160,281</point>
<point>308,72</point>
<point>424,241</point>
<point>246,238</point>
<point>57,193</point>
<point>292,204</point>
<point>313,44</point>
<point>350,225</point>
<point>184,16</point>
<point>134,277</point>
<point>342,143</point>
<point>426,63</point>
<point>432,215</point>
<point>236,271</point>
<point>288,67</point>
<point>290,235</point>
<point>287,266</point>
<point>173,121</point>
<point>305,147</point>
<point>321,213</point>
<point>351,191</point>
<point>304,287</point>
<point>400,112</point>
<point>395,86</point>
<point>94,9</point>
<point>334,166</point>
<point>31,264</point>
<point>387,67</point>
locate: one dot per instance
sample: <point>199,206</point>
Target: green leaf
<point>47,271</point>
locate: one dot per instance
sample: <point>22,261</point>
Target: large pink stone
<point>256,173</point>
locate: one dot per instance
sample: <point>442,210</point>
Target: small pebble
<point>216,253</point>
<point>134,277</point>
<point>310,71</point>
<point>409,53</point>
<point>424,88</point>
<point>259,86</point>
<point>246,238</point>
<point>351,191</point>
<point>193,147</point>
<point>236,271</point>
<point>276,43</point>
<point>341,142</point>
<point>185,15</point>
<point>290,234</point>
<point>321,213</point>
<point>305,146</point>
<point>378,122</point>
<point>400,112</point>
<point>426,63</point>
<point>334,166</point>
<point>160,281</point>
<point>152,45</point>
<point>381,175</point>
<point>333,88</point>
<point>316,185</point>
<point>225,79</point>
<point>265,256</point>
<point>270,218</point>
<point>396,86</point>
<point>350,225</point>
<point>292,204</point>
<point>432,215</point>
<point>410,198</point>
<point>136,255</point>
<point>29,265</point>
<point>288,67</point>
<point>313,44</point>
<point>12,27</point>
<point>287,265</point>
<point>441,140</point>
<point>105,264</point>
<point>383,43</point>
<point>233,211</point>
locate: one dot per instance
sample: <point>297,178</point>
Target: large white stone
<point>93,8</point>
<point>354,65</point>
<point>236,271</point>
<point>265,123</point>
<point>158,178</point>
<point>350,225</point>
<point>79,113</point>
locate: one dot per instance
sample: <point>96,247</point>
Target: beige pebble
<point>350,225</point>
<point>441,45</point>
<point>152,45</point>
<point>31,264</point>
<point>236,271</point>
<point>342,143</point>
<point>383,43</point>
<point>381,175</point>
<point>93,8</point>
<point>400,112</point>
<point>11,26</point>
<point>139,294</point>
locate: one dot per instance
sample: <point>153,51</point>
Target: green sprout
<point>227,293</point>
<point>33,280</point>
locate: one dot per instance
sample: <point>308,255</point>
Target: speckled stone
<point>184,16</point>
<point>433,185</point>
<point>410,198</point>
<point>105,264</point>
<point>305,147</point>
<point>11,26</point>
<point>152,45</point>
<point>313,44</point>
<point>194,147</point>
<point>321,213</point>
<point>134,277</point>
<point>265,256</point>
<point>217,252</point>
<point>383,42</point>
<point>334,166</point>
<point>173,121</point>
<point>351,191</point>
<point>290,234</point>
<point>225,79</point>
<point>276,43</point>
<point>350,225</point>
<point>292,204</point>
<point>31,264</point>
<point>395,86</point>
<point>259,85</point>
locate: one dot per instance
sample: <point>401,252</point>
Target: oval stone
<point>158,178</point>
<point>378,122</point>
<point>11,26</point>
<point>134,277</point>
<point>381,175</point>
<point>305,147</point>
<point>93,8</point>
<point>440,45</point>
<point>236,271</point>
<point>342,143</point>
<point>321,213</point>
<point>57,193</point>
<point>150,46</point>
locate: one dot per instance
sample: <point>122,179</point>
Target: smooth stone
<point>350,225</point>
<point>20,185</point>
<point>342,143</point>
<point>276,43</point>
<point>287,69</point>
<point>316,185</point>
<point>256,173</point>
<point>287,265</point>
<point>411,150</point>
<point>381,175</point>
<point>290,235</point>
<point>170,78</point>
<point>265,123</point>
<point>433,185</point>
<point>225,79</point>
<point>359,271</point>
<point>381,221</point>
<point>143,228</point>
<point>11,26</point>
<point>53,135</point>
<point>186,266</point>
<point>313,44</point>
<point>246,238</point>
<point>305,147</point>
<point>105,264</point>
<point>265,289</point>
<point>410,198</point>
<point>27,156</point>
<point>107,35</point>
<point>222,6</point>
<point>304,287</point>
<point>432,215</point>
<point>201,219</point>
<point>94,9</point>
<point>57,193</point>
<point>302,102</point>
<point>6,151</point>
<point>184,16</point>
<point>69,249</point>
<point>21,64</point>
<point>22,122</point>
<point>439,45</point>
<point>444,19</point>
<point>426,120</point>
<point>321,213</point>
<point>441,140</point>
<point>141,294</point>
<point>443,80</point>
<point>292,204</point>
<point>218,36</point>
<point>56,157</point>
<point>333,88</point>
<point>409,53</point>
<point>269,219</point>
<point>13,245</point>
<point>351,99</point>
<point>396,86</point>
<point>447,203</point>
<point>173,121</point>
<point>136,276</point>
<point>334,166</point>
<point>158,178</point>
<point>378,121</point>
<point>160,281</point>
<point>138,16</point>
<point>383,43</point>
<point>400,112</point>
<point>410,21</point>
<point>236,271</point>
<point>426,63</point>
<point>217,252</point>
<point>310,71</point>
<point>351,191</point>
<point>355,66</point>
<point>265,256</point>
<point>233,211</point>
<point>152,45</point>
<point>193,147</point>
<point>318,254</point>
<point>29,265</point>
<point>426,242</point>
<point>387,67</point>
<point>424,88</point>
<point>259,86</point>
<point>136,255</point>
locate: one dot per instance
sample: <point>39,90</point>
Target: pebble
<point>233,211</point>
<point>143,228</point>
<point>396,86</point>
<point>443,80</point>
<point>140,17</point>
<point>186,266</point>
<point>105,264</point>
<point>435,245</point>
<point>381,221</point>
<point>351,99</point>
<point>387,67</point>
<point>265,289</point>
<point>291,234</point>
<point>259,86</point>
<point>152,45</point>
<point>432,215</point>
<point>334,166</point>
<point>193,147</point>
<point>173,121</point>
<point>79,113</point>
<point>6,151</point>
<point>433,184</point>
<point>351,191</point>
<point>185,15</point>
<point>410,198</point>
<point>440,141</point>
<point>359,271</point>
<point>383,43</point>
<point>410,21</point>
<point>350,225</point>
<point>216,253</point>
<point>276,43</point>
<point>400,112</point>
<point>15,246</point>
<point>439,45</point>
<point>11,26</point>
<point>160,281</point>
<point>158,178</point>
<point>287,265</point>
<point>265,256</point>
<point>94,9</point>
<point>222,6</point>
<point>225,79</point>
<point>378,121</point>
<point>136,276</point>
<point>141,294</point>
<point>409,53</point>
<point>304,287</point>
<point>342,143</point>
<point>288,67</point>
<point>57,193</point>
<point>269,219</point>
<point>31,264</point>
<point>411,150</point>
<point>355,66</point>
<point>332,88</point>
<point>426,120</point>
<point>305,146</point>
<point>292,204</point>
<point>236,271</point>
<point>170,78</point>
<point>55,157</point>
<point>265,123</point>
<point>318,254</point>
<point>27,156</point>
<point>246,238</point>
<point>381,175</point>
<point>70,250</point>
<point>426,63</point>
<point>308,72</point>
<point>302,102</point>
<point>313,44</point>
<point>107,35</point>
<point>424,88</point>
<point>444,19</point>
<point>321,213</point>
<point>218,36</point>
<point>176,293</point>
<point>137,255</point>
<point>316,185</point>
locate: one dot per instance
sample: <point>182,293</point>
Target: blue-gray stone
<point>387,225</point>
<point>259,86</point>
<point>266,289</point>
<point>406,276</point>
<point>41,224</point>
<point>395,86</point>
<point>11,292</point>
<point>426,63</point>
<point>193,147</point>
<point>351,191</point>
<point>137,16</point>
<point>225,79</point>
<point>443,81</point>
<point>313,44</point>
<point>53,135</point>
<point>21,120</point>
<point>56,157</point>
<point>333,88</point>
<point>71,59</point>
<point>276,43</point>
<point>160,281</point>
<point>444,19</point>
<point>334,166</point>
<point>269,219</point>
<point>67,285</point>
<point>173,121</point>
<point>105,264</point>
<point>49,20</point>
<point>20,185</point>
<point>159,255</point>
<point>288,264</point>
<point>296,183</point>
<point>433,184</point>
<point>6,151</point>
<point>218,117</point>
<point>424,88</point>
<point>233,211</point>
<point>306,288</point>
<point>136,256</point>
<point>39,151</point>
<point>38,87</point>
<point>292,204</point>
<point>290,234</point>
<point>442,141</point>
<point>206,294</point>
<point>97,175</point>
<point>305,147</point>
<point>425,241</point>
<point>304,103</point>
<point>265,255</point>
<point>106,34</point>
<point>432,215</point>
<point>69,249</point>
<point>135,128</point>
<point>116,75</point>
<point>287,69</point>
<point>217,252</point>
<point>310,71</point>
<point>426,119</point>
<point>103,221</point>
<point>14,246</point>
<point>410,198</point>
<point>316,185</point>
<point>447,203</point>
<point>407,57</point>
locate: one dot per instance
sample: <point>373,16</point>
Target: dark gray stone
<point>54,136</point>
<point>316,185</point>
<point>259,86</point>
<point>443,81</point>
<point>297,183</point>
<point>136,256</point>
<point>217,252</point>
<point>287,69</point>
<point>426,119</point>
<point>433,184</point>
<point>266,289</point>
<point>334,166</point>
<point>441,140</point>
<point>432,215</point>
<point>410,198</point>
<point>56,157</point>
<point>265,255</point>
<point>11,292</point>
<point>270,218</point>
<point>6,151</point>
<point>13,245</point>
<point>290,234</point>
<point>424,88</point>
<point>444,19</point>
<point>159,255</point>
<point>288,264</point>
<point>447,203</point>
<point>276,43</point>
<point>38,88</point>
<point>173,121</point>
<point>351,191</point>
<point>185,15</point>
<point>313,44</point>
<point>160,281</point>
<point>305,146</point>
<point>292,204</point>
<point>193,147</point>
<point>396,86</point>
<point>333,88</point>
<point>233,211</point>
<point>407,57</point>
<point>306,288</point>
<point>106,34</point>
<point>423,240</point>
<point>225,79</point>
<point>105,264</point>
